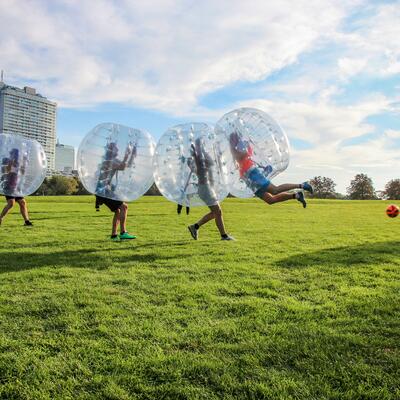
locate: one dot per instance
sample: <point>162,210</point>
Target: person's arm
<point>119,165</point>
<point>132,156</point>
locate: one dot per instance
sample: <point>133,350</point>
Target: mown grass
<point>304,305</point>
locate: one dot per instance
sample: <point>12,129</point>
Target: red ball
<point>392,211</point>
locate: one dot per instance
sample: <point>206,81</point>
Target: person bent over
<point>120,210</point>
<point>22,208</point>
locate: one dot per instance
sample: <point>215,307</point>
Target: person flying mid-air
<point>200,163</point>
<point>105,187</point>
<point>252,174</point>
<point>11,173</point>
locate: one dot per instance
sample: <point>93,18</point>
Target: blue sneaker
<point>301,199</point>
<point>306,186</point>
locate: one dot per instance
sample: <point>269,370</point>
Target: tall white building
<point>65,158</point>
<point>27,113</point>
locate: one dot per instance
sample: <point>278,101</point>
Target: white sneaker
<point>227,237</point>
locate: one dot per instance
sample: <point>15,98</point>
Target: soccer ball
<point>392,211</point>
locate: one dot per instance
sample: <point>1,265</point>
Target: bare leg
<point>271,199</point>
<point>282,188</point>
<point>206,218</point>
<point>123,217</point>
<point>115,222</point>
<point>216,213</point>
<point>219,220</point>
<point>6,209</point>
<point>23,209</point>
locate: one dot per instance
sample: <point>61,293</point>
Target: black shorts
<point>15,198</point>
<point>113,205</point>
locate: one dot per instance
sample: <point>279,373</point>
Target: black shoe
<point>193,232</point>
<point>28,223</point>
<point>301,199</point>
<point>227,237</point>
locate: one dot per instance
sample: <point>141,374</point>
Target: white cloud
<point>326,126</point>
<point>351,66</point>
<point>166,54</point>
<point>162,54</point>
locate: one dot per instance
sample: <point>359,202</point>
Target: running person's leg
<point>215,213</point>
<point>24,211</point>
<point>7,208</point>
<point>282,188</point>
<point>289,186</point>
<point>124,215</point>
<point>269,198</point>
<point>122,223</point>
<point>115,223</point>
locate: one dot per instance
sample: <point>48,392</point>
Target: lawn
<point>304,305</point>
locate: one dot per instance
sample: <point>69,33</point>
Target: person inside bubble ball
<point>255,175</point>
<point>11,171</point>
<point>200,163</point>
<point>105,187</point>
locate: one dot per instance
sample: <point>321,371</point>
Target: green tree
<point>361,188</point>
<point>392,190</point>
<point>58,185</point>
<point>324,188</point>
<point>80,189</point>
<point>153,191</point>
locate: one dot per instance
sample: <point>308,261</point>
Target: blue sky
<point>327,71</point>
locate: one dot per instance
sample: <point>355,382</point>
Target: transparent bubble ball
<point>115,161</point>
<point>189,167</point>
<point>23,165</point>
<point>254,140</point>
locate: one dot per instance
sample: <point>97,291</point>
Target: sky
<point>327,71</point>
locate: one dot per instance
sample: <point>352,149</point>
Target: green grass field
<point>304,305</point>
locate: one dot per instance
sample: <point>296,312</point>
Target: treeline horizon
<point>361,188</point>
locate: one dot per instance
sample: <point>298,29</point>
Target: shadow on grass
<point>98,259</point>
<point>367,253</point>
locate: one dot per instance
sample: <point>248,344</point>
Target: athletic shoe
<point>227,237</point>
<point>301,199</point>
<point>306,186</point>
<point>115,238</point>
<point>28,223</point>
<point>126,235</point>
<point>193,232</point>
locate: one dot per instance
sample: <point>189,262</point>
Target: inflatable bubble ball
<point>23,165</point>
<point>189,167</point>
<point>115,162</point>
<point>255,141</point>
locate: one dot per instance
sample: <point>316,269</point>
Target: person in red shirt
<point>255,178</point>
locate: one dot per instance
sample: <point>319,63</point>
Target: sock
<point>224,235</point>
<point>113,236</point>
<point>196,226</point>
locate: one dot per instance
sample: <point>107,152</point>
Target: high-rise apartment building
<point>27,113</point>
<point>65,158</point>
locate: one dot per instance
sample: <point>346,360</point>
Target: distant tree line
<point>59,185</point>
<point>361,188</point>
